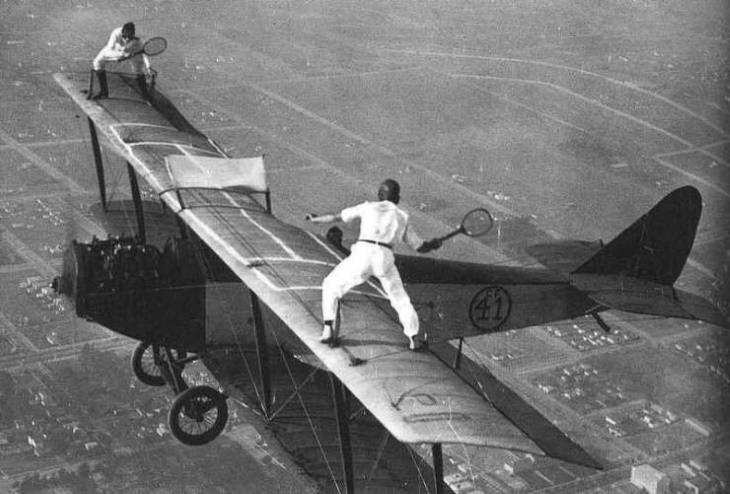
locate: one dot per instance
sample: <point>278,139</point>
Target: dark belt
<point>382,244</point>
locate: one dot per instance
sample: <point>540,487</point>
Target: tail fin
<point>654,248</point>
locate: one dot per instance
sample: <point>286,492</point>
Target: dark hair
<point>128,29</point>
<point>389,191</point>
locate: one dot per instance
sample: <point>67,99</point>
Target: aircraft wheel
<point>198,415</point>
<point>144,366</point>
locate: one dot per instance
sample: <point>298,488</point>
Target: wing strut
<point>457,359</point>
<point>99,165</point>
<point>137,198</point>
<point>262,353</point>
<point>340,398</point>
<point>601,322</point>
<point>438,467</point>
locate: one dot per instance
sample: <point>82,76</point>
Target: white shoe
<point>326,334</point>
<point>414,344</point>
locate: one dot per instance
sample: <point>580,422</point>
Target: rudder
<point>656,246</point>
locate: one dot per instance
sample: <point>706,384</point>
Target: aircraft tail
<point>654,248</point>
<point>636,271</point>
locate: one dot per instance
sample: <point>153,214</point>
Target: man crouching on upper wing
<point>381,224</point>
<point>122,45</point>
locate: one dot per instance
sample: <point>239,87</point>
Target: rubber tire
<point>138,369</point>
<point>185,398</point>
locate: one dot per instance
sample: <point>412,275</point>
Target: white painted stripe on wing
<point>258,225</point>
<point>139,124</point>
<point>233,254</point>
<point>170,144</point>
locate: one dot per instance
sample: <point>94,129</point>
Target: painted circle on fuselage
<point>490,308</point>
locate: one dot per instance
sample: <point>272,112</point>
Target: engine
<point>137,290</point>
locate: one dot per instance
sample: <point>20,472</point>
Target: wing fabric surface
<point>416,396</point>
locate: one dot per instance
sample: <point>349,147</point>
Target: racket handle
<point>452,234</point>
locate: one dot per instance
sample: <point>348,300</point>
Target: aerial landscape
<point>566,120</point>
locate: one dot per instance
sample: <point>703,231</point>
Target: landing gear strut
<point>199,413</point>
<point>147,360</point>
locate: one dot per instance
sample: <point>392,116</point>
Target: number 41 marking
<point>490,308</point>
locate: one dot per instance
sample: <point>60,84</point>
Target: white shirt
<point>382,222</point>
<point>116,47</point>
<point>116,43</point>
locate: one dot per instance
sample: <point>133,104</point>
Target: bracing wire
<point>208,269</point>
<point>279,344</point>
<point>114,186</point>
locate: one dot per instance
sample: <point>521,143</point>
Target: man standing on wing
<point>122,45</point>
<point>381,224</point>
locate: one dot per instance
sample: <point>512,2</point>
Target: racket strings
<point>477,222</point>
<point>155,46</point>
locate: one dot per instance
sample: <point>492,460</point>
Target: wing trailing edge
<point>549,438</point>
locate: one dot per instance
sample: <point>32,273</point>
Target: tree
<point>84,470</point>
<point>7,390</point>
<point>30,483</point>
<point>6,384</point>
<point>58,440</point>
<point>84,483</point>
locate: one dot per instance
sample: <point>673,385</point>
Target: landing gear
<point>147,360</point>
<point>198,414</point>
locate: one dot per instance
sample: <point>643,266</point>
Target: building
<point>698,426</point>
<point>695,485</point>
<point>650,479</point>
<point>519,463</point>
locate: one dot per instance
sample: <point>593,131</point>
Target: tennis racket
<point>152,47</point>
<point>476,223</point>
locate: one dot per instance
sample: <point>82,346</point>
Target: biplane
<point>273,272</point>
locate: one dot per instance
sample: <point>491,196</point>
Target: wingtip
<point>577,456</point>
<point>593,463</point>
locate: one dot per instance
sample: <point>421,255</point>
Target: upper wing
<point>418,397</point>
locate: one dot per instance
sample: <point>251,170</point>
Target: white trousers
<point>367,260</point>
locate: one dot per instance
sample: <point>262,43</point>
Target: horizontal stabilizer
<point>641,297</point>
<point>701,309</point>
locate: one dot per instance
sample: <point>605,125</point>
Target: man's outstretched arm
<point>324,218</point>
